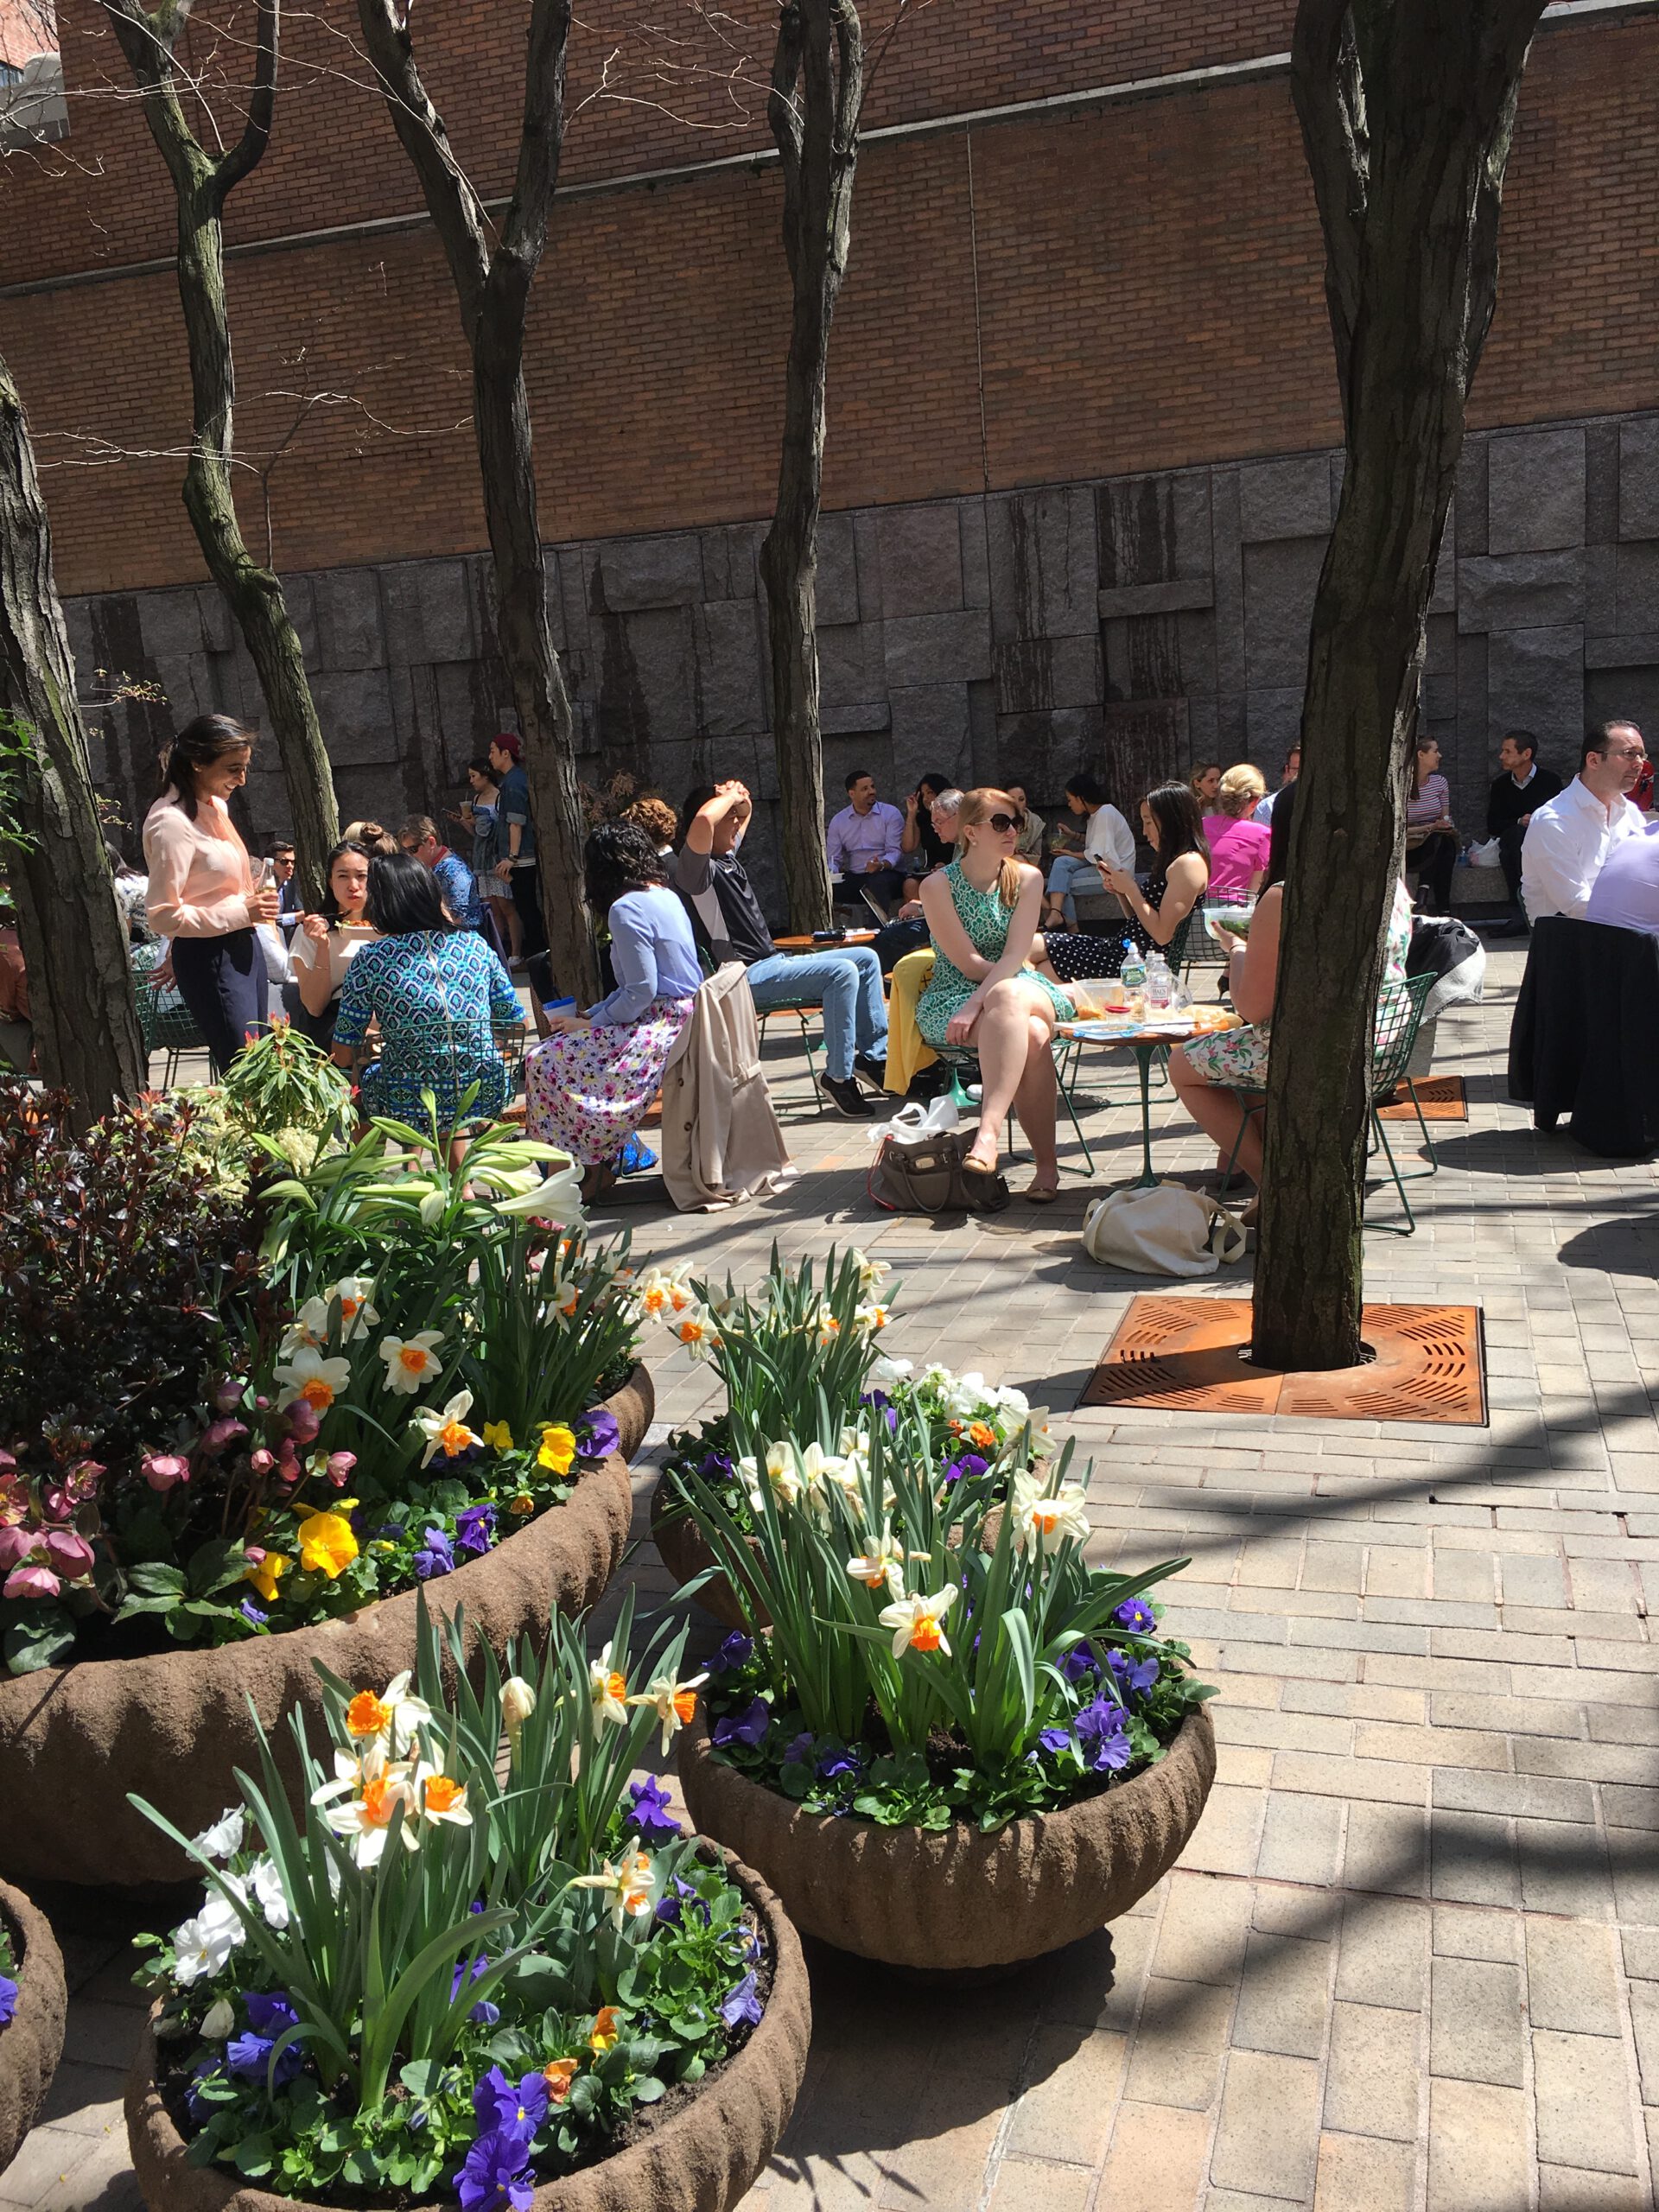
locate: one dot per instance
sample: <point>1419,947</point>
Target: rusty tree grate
<point>1191,1355</point>
<point>1440,1097</point>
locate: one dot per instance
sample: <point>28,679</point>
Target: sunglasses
<point>1003,822</point>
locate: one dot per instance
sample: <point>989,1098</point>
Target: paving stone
<point>1376,2070</point>
<point>1569,2188</point>
<point>1037,2186</point>
<point>1284,1998</point>
<point>1583,2103</point>
<point>1478,2154</point>
<point>1267,2141</point>
<point>1179,2044</point>
<point>1301,1838</point>
<point>1572,1977</point>
<point>1644,2017</point>
<point>1156,2161</point>
<point>1205,1929</point>
<point>1477,2031</point>
<point>1465,1931</point>
<point>1359,2174</point>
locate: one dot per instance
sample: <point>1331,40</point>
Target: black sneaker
<point>844,1094</point>
<point>871,1069</point>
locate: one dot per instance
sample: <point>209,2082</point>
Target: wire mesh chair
<point>962,1060</point>
<point>1399,1017</point>
<point>165,1023</point>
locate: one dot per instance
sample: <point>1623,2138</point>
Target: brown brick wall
<point>1138,284</point>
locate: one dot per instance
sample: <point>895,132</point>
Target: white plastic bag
<point>1485,856</point>
<point>1162,1229</point>
<point>917,1124</point>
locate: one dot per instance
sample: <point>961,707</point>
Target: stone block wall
<point>1130,626</point>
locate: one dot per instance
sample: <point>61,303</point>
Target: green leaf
<point>254,2156</point>
<point>39,1635</point>
<point>155,1579</point>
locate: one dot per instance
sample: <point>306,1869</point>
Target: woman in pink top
<point>201,888</point>
<point>1238,846</point>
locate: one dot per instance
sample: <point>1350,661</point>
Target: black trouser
<point>1435,859</point>
<point>223,982</point>
<point>526,884</point>
<point>318,1027</point>
<point>1510,838</point>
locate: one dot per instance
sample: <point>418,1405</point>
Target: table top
<point>823,945</point>
<point>1167,1029</point>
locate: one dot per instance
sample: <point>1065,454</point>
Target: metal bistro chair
<point>165,1023</point>
<point>1398,1016</point>
<point>961,1058</point>
<point>800,1007</point>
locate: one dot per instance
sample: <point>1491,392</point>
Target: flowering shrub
<point>436,1977</point>
<point>928,1644</point>
<point>414,1369</point>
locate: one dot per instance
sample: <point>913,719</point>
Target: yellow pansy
<point>558,1447</point>
<point>498,1436</point>
<point>327,1544</point>
<point>266,1574</point>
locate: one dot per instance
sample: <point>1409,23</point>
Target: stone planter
<point>32,2044</point>
<point>958,1901</point>
<point>685,1553</point>
<point>175,1725</point>
<point>703,2159</point>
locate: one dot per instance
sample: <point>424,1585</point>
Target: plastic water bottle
<point>1161,984</point>
<point>1132,973</point>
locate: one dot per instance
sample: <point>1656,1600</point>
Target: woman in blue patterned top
<point>435,992</point>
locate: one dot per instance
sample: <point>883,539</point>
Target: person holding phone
<point>204,895</point>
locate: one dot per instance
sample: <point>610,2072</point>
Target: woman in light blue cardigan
<point>590,1084</point>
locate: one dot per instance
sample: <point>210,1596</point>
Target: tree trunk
<point>73,940</point>
<point>201,184</point>
<point>816,95</point>
<point>493,291</point>
<point>1406,113</point>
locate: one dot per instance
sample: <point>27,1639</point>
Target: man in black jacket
<point>1518,792</point>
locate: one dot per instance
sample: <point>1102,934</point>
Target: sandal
<point>1040,1194</point>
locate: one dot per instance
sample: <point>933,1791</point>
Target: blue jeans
<point>849,980</point>
<point>1063,871</point>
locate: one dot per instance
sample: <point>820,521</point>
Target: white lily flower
<point>555,1198</point>
<point>411,1362</point>
<point>446,1430</point>
<point>307,1375</point>
<point>224,1839</point>
<point>1055,1518</point>
<point>673,1702</point>
<point>432,1208</point>
<point>918,1623</point>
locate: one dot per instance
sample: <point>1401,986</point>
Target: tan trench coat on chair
<point>720,1141</point>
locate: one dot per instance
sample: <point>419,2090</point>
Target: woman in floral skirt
<point>591,1082</point>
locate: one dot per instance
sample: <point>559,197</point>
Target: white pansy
<point>886,1372</point>
<point>202,1946</point>
<point>224,1839</point>
<point>265,1884</point>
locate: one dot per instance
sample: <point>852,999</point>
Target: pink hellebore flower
<point>15,1545</point>
<point>340,1465</point>
<point>163,1470</point>
<point>221,1434</point>
<point>262,1461</point>
<point>227,1395</point>
<point>302,1422</point>
<point>31,1582</point>
<point>69,1554</point>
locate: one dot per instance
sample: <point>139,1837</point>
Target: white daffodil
<point>411,1362</point>
<point>365,1821</point>
<point>608,1690</point>
<point>1054,1516</point>
<point>563,1294</point>
<point>357,1316</point>
<point>307,1375</point>
<point>224,1839</point>
<point>517,1703</point>
<point>446,1430</point>
<point>673,1702</point>
<point>628,1886</point>
<point>918,1624</point>
<point>438,1798</point>
<point>783,1478</point>
<point>265,1884</point>
<point>872,1273</point>
<point>202,1946</point>
<point>695,1327</point>
<point>874,1318</point>
<point>882,1566</point>
<point>660,1295</point>
<point>380,1723</point>
<point>308,1326</point>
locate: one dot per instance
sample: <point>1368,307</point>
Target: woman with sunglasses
<point>982,912</point>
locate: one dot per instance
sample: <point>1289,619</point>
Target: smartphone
<point>829,937</point>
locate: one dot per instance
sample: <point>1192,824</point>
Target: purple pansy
<point>671,1906</point>
<point>8,1998</point>
<point>436,1556</point>
<point>249,2055</point>
<point>798,1750</point>
<point>651,1815</point>
<point>1103,1738</point>
<point>1132,1674</point>
<point>251,1613</point>
<point>741,2007</point>
<point>484,2013</point>
<point>514,2108</point>
<point>837,1761</point>
<point>1056,1739</point>
<point>1137,1615</point>
<point>476,1530</point>
<point>598,1434</point>
<point>1080,1664</point>
<point>716,1467</point>
<point>969,1463</point>
<point>735,1650</point>
<point>496,2174</point>
<point>749,1726</point>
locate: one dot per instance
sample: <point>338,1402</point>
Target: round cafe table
<point>1144,1039</point>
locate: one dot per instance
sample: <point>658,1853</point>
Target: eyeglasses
<point>1003,822</point>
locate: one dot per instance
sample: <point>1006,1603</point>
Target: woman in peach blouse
<point>202,895</point>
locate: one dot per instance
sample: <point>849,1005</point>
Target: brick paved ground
<point>1411,1958</point>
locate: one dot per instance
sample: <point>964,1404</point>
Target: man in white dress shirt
<point>1568,839</point>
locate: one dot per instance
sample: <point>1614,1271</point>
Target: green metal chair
<point>800,1007</point>
<point>961,1059</point>
<point>165,1023</point>
<point>1399,1016</point>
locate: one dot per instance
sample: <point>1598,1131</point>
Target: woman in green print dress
<point>982,912</point>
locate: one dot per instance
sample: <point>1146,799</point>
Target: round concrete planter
<point>32,2044</point>
<point>958,1901</point>
<point>175,1725</point>
<point>685,1553</point>
<point>704,2157</point>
